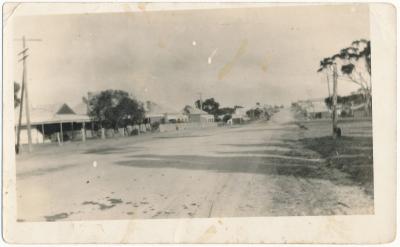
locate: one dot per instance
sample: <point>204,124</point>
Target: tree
<point>226,118</point>
<point>186,109</point>
<point>328,64</point>
<point>326,67</point>
<point>209,105</point>
<point>226,110</point>
<point>17,100</point>
<point>115,108</point>
<point>355,66</point>
<point>345,100</point>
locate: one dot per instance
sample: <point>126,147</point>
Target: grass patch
<point>350,154</point>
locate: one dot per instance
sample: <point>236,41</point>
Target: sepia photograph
<point>192,113</point>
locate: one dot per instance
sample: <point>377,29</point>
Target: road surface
<point>259,169</point>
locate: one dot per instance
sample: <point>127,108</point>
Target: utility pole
<point>334,102</point>
<point>28,119</point>
<point>19,119</point>
<point>24,93</point>
<point>201,101</point>
<point>329,89</point>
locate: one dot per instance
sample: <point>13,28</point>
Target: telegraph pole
<point>28,119</point>
<point>329,88</point>
<point>334,102</point>
<point>24,93</point>
<point>201,102</point>
<point>19,119</point>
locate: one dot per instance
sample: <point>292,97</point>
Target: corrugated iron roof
<point>193,110</point>
<point>357,107</point>
<point>54,113</point>
<point>154,109</point>
<point>81,108</point>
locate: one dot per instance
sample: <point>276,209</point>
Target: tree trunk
<point>327,81</point>
<point>368,104</point>
<point>334,102</point>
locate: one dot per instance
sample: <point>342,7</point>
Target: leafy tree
<point>186,109</point>
<point>212,107</point>
<point>354,66</point>
<point>115,108</point>
<point>357,68</point>
<point>226,110</point>
<point>17,100</point>
<point>209,105</point>
<point>326,66</point>
<point>226,118</point>
<point>345,100</point>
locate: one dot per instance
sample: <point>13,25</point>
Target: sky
<point>237,56</point>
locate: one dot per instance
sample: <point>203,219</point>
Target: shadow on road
<point>238,164</point>
<point>111,150</point>
<point>43,171</point>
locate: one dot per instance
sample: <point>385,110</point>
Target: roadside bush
<point>135,132</point>
<point>155,126</point>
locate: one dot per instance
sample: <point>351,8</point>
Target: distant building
<point>320,110</point>
<point>240,116</point>
<point>161,114</point>
<point>358,111</point>
<point>175,117</point>
<point>315,108</point>
<point>49,120</point>
<point>198,116</point>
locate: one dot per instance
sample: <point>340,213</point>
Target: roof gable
<point>196,111</point>
<point>65,109</point>
<point>153,108</point>
<point>54,113</point>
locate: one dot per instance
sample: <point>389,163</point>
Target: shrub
<point>155,126</point>
<point>135,132</point>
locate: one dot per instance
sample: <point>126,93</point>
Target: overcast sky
<point>238,56</point>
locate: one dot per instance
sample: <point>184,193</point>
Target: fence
<point>185,126</point>
<point>76,135</point>
<point>130,130</point>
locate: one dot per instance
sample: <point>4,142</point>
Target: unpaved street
<point>259,169</point>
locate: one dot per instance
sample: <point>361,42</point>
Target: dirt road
<point>258,169</point>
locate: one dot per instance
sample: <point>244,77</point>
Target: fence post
<point>83,134</point>
<point>58,139</point>
<point>103,134</point>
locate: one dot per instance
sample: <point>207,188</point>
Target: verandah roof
<point>50,114</point>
